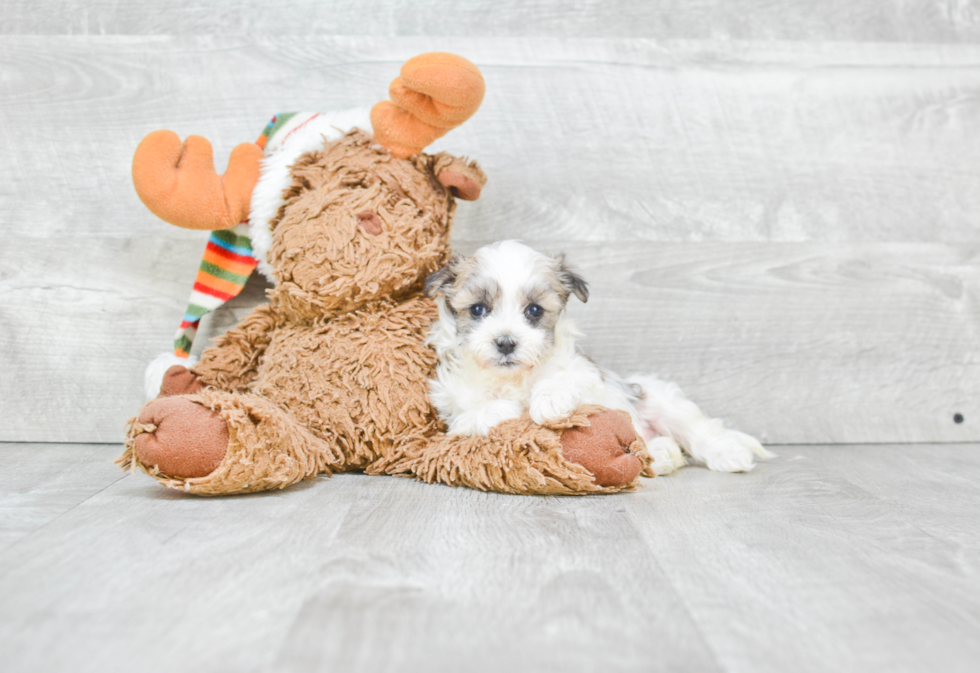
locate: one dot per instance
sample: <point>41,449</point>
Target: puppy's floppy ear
<point>443,278</point>
<point>570,281</point>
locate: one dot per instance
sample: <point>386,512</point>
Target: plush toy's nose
<point>505,345</point>
<point>370,222</point>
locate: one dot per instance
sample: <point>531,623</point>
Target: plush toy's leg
<point>594,451</point>
<point>215,442</point>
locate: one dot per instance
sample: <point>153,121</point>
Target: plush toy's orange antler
<point>435,93</point>
<point>178,183</point>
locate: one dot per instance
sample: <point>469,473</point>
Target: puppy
<point>506,345</point>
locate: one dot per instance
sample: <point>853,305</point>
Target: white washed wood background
<point>776,201</point>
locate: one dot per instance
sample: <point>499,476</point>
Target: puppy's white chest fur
<point>472,398</point>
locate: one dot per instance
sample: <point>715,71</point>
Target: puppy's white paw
<point>735,459</point>
<point>552,405</point>
<point>479,421</point>
<point>666,455</point>
<point>731,451</point>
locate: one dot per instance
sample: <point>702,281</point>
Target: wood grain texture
<point>796,343</point>
<point>860,20</point>
<point>860,558</point>
<point>836,591</point>
<point>582,139</point>
<point>41,482</point>
<point>787,188</point>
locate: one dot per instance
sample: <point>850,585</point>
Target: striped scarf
<point>225,269</point>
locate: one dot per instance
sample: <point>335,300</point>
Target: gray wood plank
<point>582,139</point>
<point>858,558</point>
<point>864,20</point>
<point>41,482</point>
<point>812,156</point>
<point>530,584</point>
<point>813,555</point>
<point>796,343</point>
<point>323,575</point>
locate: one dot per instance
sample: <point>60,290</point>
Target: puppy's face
<point>505,301</point>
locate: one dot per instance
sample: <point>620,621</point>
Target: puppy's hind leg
<point>662,447</point>
<point>667,412</point>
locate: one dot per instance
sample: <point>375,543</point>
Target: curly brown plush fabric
<point>325,263</point>
<point>519,456</point>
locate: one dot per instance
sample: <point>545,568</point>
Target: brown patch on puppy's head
<point>463,287</point>
<point>568,281</point>
<point>359,225</point>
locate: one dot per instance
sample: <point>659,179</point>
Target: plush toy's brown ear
<point>465,179</point>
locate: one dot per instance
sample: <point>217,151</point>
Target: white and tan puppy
<point>506,345</point>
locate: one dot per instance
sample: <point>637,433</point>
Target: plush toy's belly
<point>360,380</point>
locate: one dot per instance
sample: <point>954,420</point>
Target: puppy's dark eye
<point>533,312</point>
<point>478,310</point>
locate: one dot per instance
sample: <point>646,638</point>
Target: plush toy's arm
<point>231,363</point>
<point>593,451</point>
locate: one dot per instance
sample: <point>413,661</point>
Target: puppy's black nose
<point>505,345</point>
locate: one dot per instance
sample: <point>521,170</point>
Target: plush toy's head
<point>335,221</point>
<point>358,224</point>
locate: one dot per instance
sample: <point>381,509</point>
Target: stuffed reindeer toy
<point>331,374</point>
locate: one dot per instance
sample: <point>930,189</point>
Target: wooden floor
<point>830,558</point>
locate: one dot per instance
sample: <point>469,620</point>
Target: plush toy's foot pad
<point>604,448</point>
<point>179,380</point>
<point>183,439</point>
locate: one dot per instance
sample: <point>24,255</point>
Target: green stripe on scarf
<point>223,274</point>
<point>281,121</point>
<point>230,237</point>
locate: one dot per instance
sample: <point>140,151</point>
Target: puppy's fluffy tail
<point>664,411</point>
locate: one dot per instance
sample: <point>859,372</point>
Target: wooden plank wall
<point>775,201</point>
